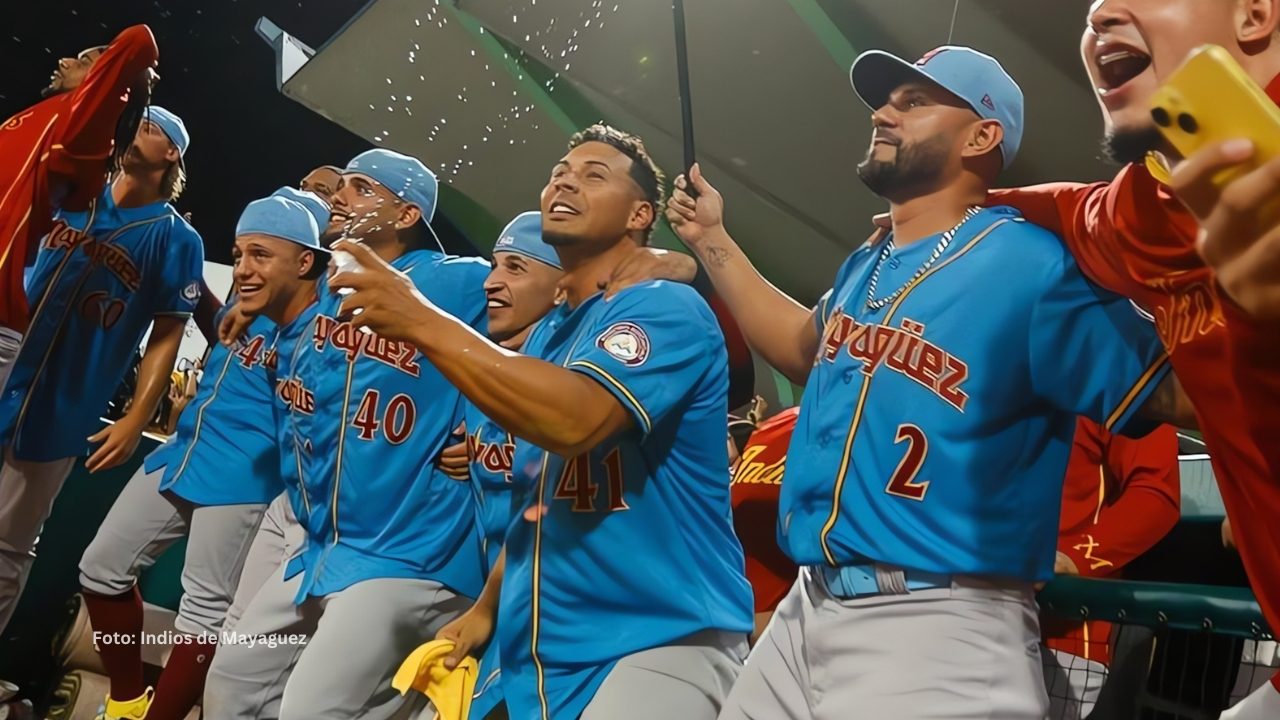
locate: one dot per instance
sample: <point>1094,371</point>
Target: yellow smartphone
<point>1210,98</point>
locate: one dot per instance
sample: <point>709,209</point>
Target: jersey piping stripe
<point>1102,492</point>
<point>535,606</point>
<point>342,440</point>
<point>48,353</point>
<point>293,424</point>
<point>195,436</point>
<point>26,164</point>
<point>631,399</point>
<point>842,473</point>
<point>1136,390</point>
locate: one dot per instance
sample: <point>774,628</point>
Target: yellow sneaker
<point>135,709</point>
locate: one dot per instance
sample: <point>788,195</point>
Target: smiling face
<point>269,272</point>
<point>592,200</point>
<point>1130,47</point>
<point>362,209</point>
<point>519,290</point>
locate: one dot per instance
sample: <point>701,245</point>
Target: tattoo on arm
<point>715,256</point>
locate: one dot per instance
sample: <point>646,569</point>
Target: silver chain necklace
<point>941,247</point>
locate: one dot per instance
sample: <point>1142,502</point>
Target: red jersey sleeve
<point>83,136</point>
<point>1147,503</point>
<point>1114,229</point>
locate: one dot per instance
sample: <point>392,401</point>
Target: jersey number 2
<point>576,484</point>
<point>396,419</point>
<point>904,483</point>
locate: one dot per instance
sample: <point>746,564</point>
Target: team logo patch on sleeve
<point>625,341</point>
<point>191,293</point>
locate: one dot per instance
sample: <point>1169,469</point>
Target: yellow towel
<point>449,690</point>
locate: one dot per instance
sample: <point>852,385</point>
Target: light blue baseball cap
<point>316,205</point>
<point>974,77</point>
<point>406,177</point>
<point>172,126</point>
<point>282,218</point>
<point>523,236</point>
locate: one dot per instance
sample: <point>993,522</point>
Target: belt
<point>853,581</point>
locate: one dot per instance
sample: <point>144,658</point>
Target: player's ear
<point>1257,20</point>
<point>306,263</point>
<point>409,216</point>
<point>642,216</point>
<point>984,137</point>
<point>173,155</point>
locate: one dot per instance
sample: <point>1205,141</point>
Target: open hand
<point>469,632</point>
<point>646,264</point>
<point>119,440</point>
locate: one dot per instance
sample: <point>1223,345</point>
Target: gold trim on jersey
<point>342,439</point>
<point>1135,391</point>
<point>535,605</point>
<point>26,164</point>
<point>293,424</point>
<point>195,435</point>
<point>634,402</point>
<point>847,455</point>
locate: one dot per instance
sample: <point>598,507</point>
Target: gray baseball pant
<point>27,492</point>
<point>688,679</point>
<point>330,657</point>
<point>965,652</point>
<point>278,539</point>
<point>144,522</point>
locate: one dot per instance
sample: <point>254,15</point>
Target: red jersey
<point>1132,236</point>
<point>756,484</point>
<point>54,155</point>
<point>1120,497</point>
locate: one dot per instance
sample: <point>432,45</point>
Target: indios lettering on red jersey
<point>296,396</point>
<point>1185,312</point>
<point>753,471</point>
<point>902,349</point>
<point>493,457</point>
<point>112,257</point>
<point>354,342</point>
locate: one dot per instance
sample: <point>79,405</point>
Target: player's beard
<point>914,165</point>
<point>1128,146</point>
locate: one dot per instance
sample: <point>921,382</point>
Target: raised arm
<point>782,330</point>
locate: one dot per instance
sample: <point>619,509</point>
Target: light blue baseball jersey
<point>637,548</point>
<point>377,505</point>
<point>490,452</point>
<point>100,278</point>
<point>224,448</point>
<point>294,408</point>
<point>934,432</point>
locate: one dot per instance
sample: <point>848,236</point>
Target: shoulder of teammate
<point>182,265</point>
<point>656,347</point>
<point>453,283</point>
<point>663,300</point>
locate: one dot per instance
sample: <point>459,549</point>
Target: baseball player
<point>322,181</point>
<point>623,595</point>
<point>56,155</point>
<point>102,276</point>
<point>521,288</point>
<point>1133,236</point>
<point>920,494</point>
<point>215,477</point>
<point>391,551</point>
<point>1119,498</point>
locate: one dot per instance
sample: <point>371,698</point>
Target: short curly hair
<point>644,171</point>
